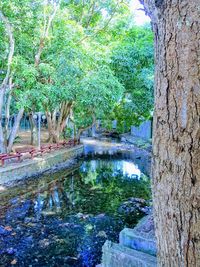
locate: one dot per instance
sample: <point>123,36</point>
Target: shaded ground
<point>24,139</point>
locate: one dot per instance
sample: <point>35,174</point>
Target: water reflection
<point>112,149</point>
<point>127,168</point>
<point>63,220</point>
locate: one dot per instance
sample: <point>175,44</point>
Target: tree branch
<point>47,25</point>
<point>9,32</point>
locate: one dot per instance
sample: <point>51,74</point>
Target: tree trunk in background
<point>51,121</point>
<point>56,126</point>
<point>176,140</point>
<point>5,82</point>
<point>14,130</point>
<point>33,126</point>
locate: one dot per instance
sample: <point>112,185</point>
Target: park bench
<point>10,156</point>
<point>40,151</point>
<point>3,155</point>
<point>46,148</point>
<point>55,146</point>
<point>77,141</point>
<point>24,150</point>
<point>33,151</point>
<point>68,143</point>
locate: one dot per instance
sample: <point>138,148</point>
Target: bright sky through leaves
<point>139,15</point>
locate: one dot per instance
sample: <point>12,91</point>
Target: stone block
<point>141,238</point>
<point>116,255</point>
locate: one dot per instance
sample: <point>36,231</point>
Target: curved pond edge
<point>39,165</point>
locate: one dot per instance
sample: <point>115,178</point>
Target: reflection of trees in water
<point>57,198</point>
<point>96,187</point>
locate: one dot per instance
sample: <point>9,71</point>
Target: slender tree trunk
<point>81,130</point>
<point>33,126</point>
<point>176,133</point>
<point>4,84</point>
<point>14,130</point>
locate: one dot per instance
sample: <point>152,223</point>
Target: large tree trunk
<point>176,140</point>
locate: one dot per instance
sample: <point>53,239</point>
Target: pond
<point>63,219</point>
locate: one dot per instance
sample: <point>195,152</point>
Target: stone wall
<point>38,165</point>
<point>142,131</point>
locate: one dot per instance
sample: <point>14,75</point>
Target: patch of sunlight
<point>130,169</point>
<point>2,188</point>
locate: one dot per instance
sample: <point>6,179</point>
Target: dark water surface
<point>63,219</point>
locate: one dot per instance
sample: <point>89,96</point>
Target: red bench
<point>77,141</point>
<point>70,142</point>
<point>3,155</point>
<point>24,150</point>
<point>10,156</point>
<point>40,151</point>
<point>46,148</point>
<point>33,151</point>
<point>55,146</point>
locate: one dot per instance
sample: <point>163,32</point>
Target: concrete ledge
<point>141,238</point>
<point>115,255</point>
<point>38,165</point>
<point>128,238</point>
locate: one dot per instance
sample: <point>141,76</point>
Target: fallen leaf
<point>8,228</point>
<point>14,262</point>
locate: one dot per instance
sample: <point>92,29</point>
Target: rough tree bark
<point>176,140</point>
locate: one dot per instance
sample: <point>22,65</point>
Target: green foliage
<point>93,57</point>
<point>132,62</point>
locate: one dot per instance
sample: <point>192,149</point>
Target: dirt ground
<point>24,139</point>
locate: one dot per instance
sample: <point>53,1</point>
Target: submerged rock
<point>134,209</point>
<point>4,231</point>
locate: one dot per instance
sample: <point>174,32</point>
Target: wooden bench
<point>46,148</point>
<point>10,156</point>
<point>3,155</point>
<point>77,141</point>
<point>55,146</point>
<point>70,142</point>
<point>24,150</point>
<point>33,151</point>
<point>40,151</point>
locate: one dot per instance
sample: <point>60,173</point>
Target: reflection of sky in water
<point>128,168</point>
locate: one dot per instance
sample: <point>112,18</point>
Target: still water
<point>63,219</point>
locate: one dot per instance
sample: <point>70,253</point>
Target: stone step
<point>141,238</point>
<point>116,255</point>
<point>129,238</point>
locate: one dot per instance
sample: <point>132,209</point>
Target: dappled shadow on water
<point>63,220</point>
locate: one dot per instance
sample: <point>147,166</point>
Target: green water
<point>63,219</point>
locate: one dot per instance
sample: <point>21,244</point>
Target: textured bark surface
<point>176,141</point>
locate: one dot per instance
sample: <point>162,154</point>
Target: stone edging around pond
<point>38,165</point>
